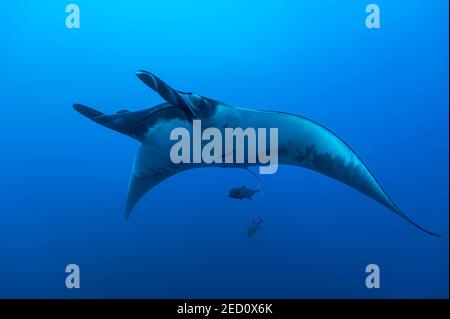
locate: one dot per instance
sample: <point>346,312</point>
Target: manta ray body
<point>301,141</point>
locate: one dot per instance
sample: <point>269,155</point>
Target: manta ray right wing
<point>149,169</point>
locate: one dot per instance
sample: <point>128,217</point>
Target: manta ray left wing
<point>149,169</point>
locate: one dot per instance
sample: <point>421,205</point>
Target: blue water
<point>64,178</point>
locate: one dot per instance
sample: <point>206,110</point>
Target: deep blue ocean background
<point>64,178</point>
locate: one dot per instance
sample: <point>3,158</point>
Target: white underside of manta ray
<point>301,142</point>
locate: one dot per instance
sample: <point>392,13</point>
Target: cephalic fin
<point>168,93</point>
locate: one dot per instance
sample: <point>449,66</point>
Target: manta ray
<point>302,142</point>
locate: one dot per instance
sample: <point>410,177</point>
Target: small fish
<point>254,227</point>
<point>243,192</point>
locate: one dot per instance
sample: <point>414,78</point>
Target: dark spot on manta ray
<point>159,172</point>
<point>332,166</point>
<point>282,151</point>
